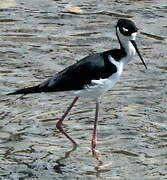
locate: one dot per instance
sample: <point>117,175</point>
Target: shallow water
<point>39,38</point>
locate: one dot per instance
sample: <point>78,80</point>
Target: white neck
<point>127,45</point>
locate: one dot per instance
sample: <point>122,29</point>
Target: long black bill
<point>135,46</point>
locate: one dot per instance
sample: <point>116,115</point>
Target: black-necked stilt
<point>92,75</point>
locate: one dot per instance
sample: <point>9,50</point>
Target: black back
<point>76,76</point>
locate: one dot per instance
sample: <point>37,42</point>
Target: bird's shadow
<point>59,161</point>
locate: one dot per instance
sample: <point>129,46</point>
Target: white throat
<point>127,45</point>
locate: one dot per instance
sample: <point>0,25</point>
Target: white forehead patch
<point>133,36</point>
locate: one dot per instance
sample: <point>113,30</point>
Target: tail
<point>34,89</point>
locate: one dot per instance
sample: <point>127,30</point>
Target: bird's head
<point>126,30</point>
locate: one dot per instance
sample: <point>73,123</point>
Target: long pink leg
<point>94,135</point>
<point>60,121</point>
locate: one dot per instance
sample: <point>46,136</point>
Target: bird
<point>93,75</point>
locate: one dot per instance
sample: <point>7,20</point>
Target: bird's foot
<point>96,154</point>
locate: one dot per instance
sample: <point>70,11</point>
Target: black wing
<point>76,76</point>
